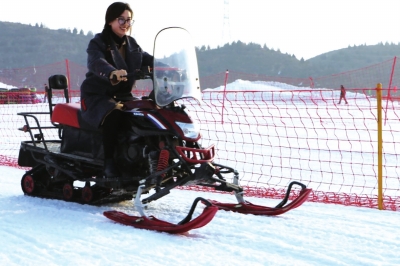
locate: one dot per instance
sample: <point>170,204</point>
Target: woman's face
<point>122,24</point>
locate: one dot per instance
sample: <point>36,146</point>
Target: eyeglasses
<point>122,21</point>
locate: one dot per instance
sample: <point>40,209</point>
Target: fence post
<point>223,100</point>
<point>379,107</point>
<point>311,82</point>
<point>389,96</point>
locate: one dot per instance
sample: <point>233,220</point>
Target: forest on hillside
<point>35,45</point>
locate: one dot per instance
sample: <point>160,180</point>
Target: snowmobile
<point>159,148</point>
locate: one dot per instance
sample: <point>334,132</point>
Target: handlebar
<point>139,74</point>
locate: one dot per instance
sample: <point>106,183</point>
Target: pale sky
<point>305,28</point>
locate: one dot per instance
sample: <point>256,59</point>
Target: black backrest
<point>56,82</point>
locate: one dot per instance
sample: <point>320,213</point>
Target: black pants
<point>111,126</point>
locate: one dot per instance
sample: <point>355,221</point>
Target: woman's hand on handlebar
<point>121,75</point>
<point>118,75</point>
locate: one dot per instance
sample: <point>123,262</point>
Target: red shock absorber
<point>163,161</point>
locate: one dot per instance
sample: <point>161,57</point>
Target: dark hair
<point>114,11</point>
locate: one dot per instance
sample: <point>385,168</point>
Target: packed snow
<point>38,231</point>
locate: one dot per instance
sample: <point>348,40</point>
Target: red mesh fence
<point>277,136</point>
<point>276,130</point>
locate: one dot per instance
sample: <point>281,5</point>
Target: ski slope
<point>38,231</point>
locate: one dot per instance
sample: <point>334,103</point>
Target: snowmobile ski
<point>152,223</point>
<point>246,207</point>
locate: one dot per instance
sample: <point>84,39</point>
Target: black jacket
<point>98,95</point>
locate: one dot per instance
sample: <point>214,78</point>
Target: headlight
<point>191,130</point>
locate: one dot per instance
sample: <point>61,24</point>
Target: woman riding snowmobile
<point>111,55</point>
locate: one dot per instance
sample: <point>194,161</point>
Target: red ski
<point>249,208</point>
<point>152,223</point>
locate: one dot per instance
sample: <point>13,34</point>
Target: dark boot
<point>110,169</point>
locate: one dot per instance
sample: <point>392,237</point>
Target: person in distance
<point>342,94</point>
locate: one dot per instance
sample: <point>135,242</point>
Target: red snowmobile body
<point>159,150</point>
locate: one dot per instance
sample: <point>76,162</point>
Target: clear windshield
<point>175,70</point>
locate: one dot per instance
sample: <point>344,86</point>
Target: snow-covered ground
<point>37,231</point>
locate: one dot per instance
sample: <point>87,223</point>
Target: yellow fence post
<point>380,167</point>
